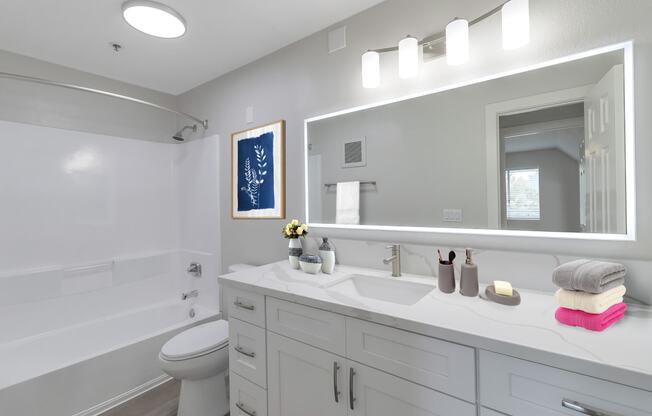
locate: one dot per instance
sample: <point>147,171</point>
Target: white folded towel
<point>590,302</point>
<point>348,203</point>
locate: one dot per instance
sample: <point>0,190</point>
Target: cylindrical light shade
<point>370,69</point>
<point>457,42</point>
<point>516,24</point>
<point>408,57</point>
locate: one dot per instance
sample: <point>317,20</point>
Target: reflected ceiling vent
<point>355,153</point>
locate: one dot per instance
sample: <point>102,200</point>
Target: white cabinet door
<point>375,393</point>
<point>303,380</point>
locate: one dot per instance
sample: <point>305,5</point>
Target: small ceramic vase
<point>294,252</point>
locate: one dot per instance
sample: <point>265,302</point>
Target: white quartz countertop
<point>622,353</point>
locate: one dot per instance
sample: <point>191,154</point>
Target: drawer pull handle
<point>351,398</point>
<point>244,352</point>
<point>584,409</point>
<point>336,392</point>
<point>245,411</point>
<point>243,306</point>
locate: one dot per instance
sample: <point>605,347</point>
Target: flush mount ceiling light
<point>515,34</point>
<point>154,18</point>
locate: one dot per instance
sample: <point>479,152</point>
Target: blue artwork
<point>256,173</point>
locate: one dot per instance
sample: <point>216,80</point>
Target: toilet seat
<point>197,341</point>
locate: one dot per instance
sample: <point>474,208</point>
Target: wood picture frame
<point>258,172</point>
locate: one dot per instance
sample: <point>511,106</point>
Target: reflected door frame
<point>492,135</point>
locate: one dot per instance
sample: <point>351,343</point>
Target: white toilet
<point>199,357</point>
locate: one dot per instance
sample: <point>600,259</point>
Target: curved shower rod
<point>18,77</point>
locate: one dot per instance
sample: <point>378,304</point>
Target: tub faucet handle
<point>194,269</point>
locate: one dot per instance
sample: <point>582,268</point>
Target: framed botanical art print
<point>258,172</point>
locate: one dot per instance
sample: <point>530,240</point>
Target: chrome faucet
<point>191,294</point>
<point>395,259</point>
<point>194,269</point>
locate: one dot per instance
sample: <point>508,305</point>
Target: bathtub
<point>80,339</point>
<point>110,360</point>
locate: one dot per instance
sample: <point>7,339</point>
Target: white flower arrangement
<point>294,229</point>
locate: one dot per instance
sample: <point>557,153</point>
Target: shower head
<point>179,135</point>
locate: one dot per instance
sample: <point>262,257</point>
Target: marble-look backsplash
<point>524,270</point>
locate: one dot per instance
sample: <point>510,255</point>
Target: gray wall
<point>428,154</point>
<point>559,190</point>
<point>73,110</point>
<point>303,80</point>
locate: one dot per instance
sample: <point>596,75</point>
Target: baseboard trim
<point>124,397</point>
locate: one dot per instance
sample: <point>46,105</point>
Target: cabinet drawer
<point>247,399</point>
<point>315,327</point>
<point>519,387</point>
<point>440,365</point>
<point>248,351</point>
<point>246,306</point>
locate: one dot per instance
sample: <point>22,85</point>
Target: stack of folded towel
<point>591,293</point>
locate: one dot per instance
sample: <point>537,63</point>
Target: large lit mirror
<point>541,150</point>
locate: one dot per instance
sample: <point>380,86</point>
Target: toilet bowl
<point>199,357</point>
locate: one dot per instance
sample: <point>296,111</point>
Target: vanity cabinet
<point>304,380</point>
<point>288,359</point>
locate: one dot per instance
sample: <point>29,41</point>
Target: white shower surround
<point>97,234</point>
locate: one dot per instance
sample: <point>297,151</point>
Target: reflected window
<point>522,194</point>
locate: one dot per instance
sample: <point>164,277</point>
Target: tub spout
<point>191,294</point>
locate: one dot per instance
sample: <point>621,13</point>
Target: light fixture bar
<point>441,36</point>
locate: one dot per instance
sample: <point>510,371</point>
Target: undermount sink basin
<point>393,290</point>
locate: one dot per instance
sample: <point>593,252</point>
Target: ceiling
<point>222,35</point>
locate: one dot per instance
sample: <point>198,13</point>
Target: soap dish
<point>513,300</point>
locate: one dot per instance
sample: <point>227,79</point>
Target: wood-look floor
<point>160,401</point>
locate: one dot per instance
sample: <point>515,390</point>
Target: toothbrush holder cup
<point>446,279</point>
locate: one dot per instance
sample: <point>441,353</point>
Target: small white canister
<point>327,255</point>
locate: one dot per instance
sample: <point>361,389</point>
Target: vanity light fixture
<point>515,34</point>
<point>457,42</point>
<point>370,69</point>
<point>408,57</point>
<point>516,24</point>
<point>154,18</point>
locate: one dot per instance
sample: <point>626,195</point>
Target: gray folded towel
<point>589,275</point>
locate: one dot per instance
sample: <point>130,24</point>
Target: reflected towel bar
<point>372,183</point>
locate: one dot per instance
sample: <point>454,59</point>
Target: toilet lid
<point>197,341</point>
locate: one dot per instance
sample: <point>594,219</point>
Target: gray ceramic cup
<point>446,279</point>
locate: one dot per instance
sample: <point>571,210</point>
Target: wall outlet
<point>452,215</point>
<point>249,115</point>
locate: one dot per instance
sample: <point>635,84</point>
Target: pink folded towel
<point>594,322</point>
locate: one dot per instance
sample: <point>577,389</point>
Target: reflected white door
<point>604,108</point>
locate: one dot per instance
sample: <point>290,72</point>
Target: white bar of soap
<point>503,288</point>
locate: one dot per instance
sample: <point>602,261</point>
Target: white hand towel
<point>348,203</point>
<point>589,302</point>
